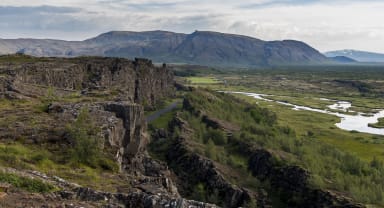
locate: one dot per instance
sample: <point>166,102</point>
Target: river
<point>358,122</point>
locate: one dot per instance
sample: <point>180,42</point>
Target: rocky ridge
<point>195,168</point>
<point>136,81</point>
<point>289,182</point>
<point>126,87</point>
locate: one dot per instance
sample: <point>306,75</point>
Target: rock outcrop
<point>133,84</point>
<point>293,183</point>
<point>132,143</point>
<point>145,193</point>
<point>136,81</point>
<point>137,199</point>
<point>193,168</point>
<point>127,88</point>
<point>196,169</point>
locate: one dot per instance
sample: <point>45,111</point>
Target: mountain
<point>343,59</point>
<point>361,56</point>
<point>200,47</point>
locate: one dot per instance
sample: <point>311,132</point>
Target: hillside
<point>200,47</point>
<point>343,59</point>
<point>361,56</point>
<point>77,133</point>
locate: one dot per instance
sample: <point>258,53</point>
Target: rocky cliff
<point>136,81</point>
<point>211,154</point>
<point>293,183</point>
<point>47,96</point>
<point>134,84</point>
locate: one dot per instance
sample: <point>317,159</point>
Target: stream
<point>358,122</point>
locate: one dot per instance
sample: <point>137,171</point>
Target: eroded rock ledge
<point>293,183</point>
<point>137,81</point>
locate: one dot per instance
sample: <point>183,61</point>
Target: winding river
<point>358,122</point>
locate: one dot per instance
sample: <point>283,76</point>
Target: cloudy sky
<point>324,24</point>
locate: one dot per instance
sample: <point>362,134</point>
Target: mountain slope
<point>220,49</point>
<point>200,47</point>
<point>361,56</point>
<point>154,44</point>
<point>343,59</point>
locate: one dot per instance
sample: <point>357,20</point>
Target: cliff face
<point>131,145</point>
<point>293,183</point>
<point>114,93</point>
<point>134,84</point>
<point>3,86</point>
<point>136,81</point>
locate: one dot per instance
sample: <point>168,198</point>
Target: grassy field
<point>322,127</point>
<point>305,88</point>
<point>203,80</point>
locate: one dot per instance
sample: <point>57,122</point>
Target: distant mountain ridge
<point>343,59</point>
<point>361,56</point>
<point>200,47</point>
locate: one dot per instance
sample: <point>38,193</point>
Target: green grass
<point>203,80</point>
<point>24,183</point>
<point>31,157</point>
<point>162,121</point>
<point>337,160</point>
<point>379,124</point>
<point>323,128</point>
<point>313,102</point>
<point>19,58</point>
<point>163,104</point>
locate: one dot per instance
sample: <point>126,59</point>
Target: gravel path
<point>158,113</point>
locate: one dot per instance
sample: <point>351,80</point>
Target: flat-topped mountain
<point>200,47</point>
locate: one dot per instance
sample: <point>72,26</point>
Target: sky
<point>324,24</point>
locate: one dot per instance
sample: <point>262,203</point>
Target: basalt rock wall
<point>136,81</point>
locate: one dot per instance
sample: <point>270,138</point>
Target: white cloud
<point>324,24</point>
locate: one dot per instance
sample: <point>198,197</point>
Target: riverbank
<point>358,122</point>
<point>379,124</point>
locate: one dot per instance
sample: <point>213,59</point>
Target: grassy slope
<point>52,159</point>
<point>203,80</point>
<point>24,183</point>
<point>313,85</point>
<point>319,129</point>
<point>300,138</point>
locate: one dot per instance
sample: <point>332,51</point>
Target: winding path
<point>159,113</point>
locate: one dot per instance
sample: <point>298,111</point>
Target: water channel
<point>358,122</point>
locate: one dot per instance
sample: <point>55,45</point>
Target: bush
<point>217,136</point>
<point>50,96</point>
<point>210,150</point>
<point>107,164</point>
<point>86,147</point>
<point>28,184</point>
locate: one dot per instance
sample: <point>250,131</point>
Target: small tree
<point>210,150</point>
<point>48,98</point>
